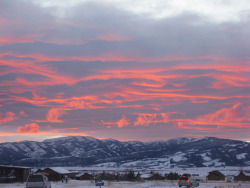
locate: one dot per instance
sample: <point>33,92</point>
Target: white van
<point>37,181</point>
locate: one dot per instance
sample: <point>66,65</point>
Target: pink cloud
<point>120,123</point>
<point>53,115</point>
<point>8,116</point>
<point>123,122</point>
<point>235,118</point>
<point>237,113</point>
<point>147,119</point>
<point>23,114</point>
<point>29,128</point>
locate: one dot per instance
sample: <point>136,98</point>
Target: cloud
<point>123,122</point>
<point>23,114</point>
<point>32,128</point>
<point>102,34</point>
<point>103,62</point>
<point>120,123</point>
<point>239,113</point>
<point>148,119</point>
<point>8,116</point>
<point>53,115</point>
<point>141,120</point>
<point>232,119</point>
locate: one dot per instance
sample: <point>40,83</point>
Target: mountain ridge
<point>86,151</point>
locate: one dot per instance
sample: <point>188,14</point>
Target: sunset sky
<point>124,69</point>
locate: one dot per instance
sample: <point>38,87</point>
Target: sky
<point>128,70</point>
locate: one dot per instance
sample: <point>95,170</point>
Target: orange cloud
<point>142,119</point>
<point>145,84</point>
<point>29,128</point>
<point>229,116</point>
<point>66,103</point>
<point>123,122</point>
<point>8,116</point>
<point>236,118</point>
<point>147,93</point>
<point>120,123</point>
<point>29,67</point>
<point>178,95</point>
<point>23,114</point>
<point>146,119</point>
<point>53,115</point>
<point>223,81</point>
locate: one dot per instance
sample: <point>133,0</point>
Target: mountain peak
<point>182,140</point>
<point>78,138</point>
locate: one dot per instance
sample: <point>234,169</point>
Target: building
<point>73,173</point>
<point>56,173</point>
<point>10,174</point>
<point>216,175</point>
<point>241,177</point>
<point>84,176</point>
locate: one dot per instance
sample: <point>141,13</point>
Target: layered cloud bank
<point>116,70</point>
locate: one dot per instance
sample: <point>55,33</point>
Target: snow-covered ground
<point>202,171</point>
<point>147,184</point>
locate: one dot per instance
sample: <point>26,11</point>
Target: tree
<point>131,176</point>
<point>172,176</point>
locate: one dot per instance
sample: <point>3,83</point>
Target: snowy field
<point>202,171</point>
<point>147,184</point>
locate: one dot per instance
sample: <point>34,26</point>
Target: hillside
<point>85,151</point>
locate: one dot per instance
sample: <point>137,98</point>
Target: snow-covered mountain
<point>85,151</point>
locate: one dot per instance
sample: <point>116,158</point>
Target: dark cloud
<point>90,23</point>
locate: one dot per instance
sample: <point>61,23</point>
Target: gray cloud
<point>183,35</point>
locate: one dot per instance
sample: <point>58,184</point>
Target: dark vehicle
<point>187,181</point>
<point>37,181</point>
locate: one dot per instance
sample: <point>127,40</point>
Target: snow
<point>247,163</point>
<point>183,140</point>
<point>60,170</point>
<point>241,156</point>
<point>60,139</point>
<point>110,164</point>
<point>10,166</point>
<point>215,163</point>
<point>146,176</point>
<point>202,171</point>
<point>90,138</point>
<point>146,184</point>
<point>24,147</point>
<point>179,157</point>
<point>205,157</point>
<point>8,145</point>
<point>202,138</point>
<point>109,140</point>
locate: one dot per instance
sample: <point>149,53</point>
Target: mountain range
<point>89,151</point>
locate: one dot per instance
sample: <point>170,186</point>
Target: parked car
<point>187,181</point>
<point>37,181</point>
